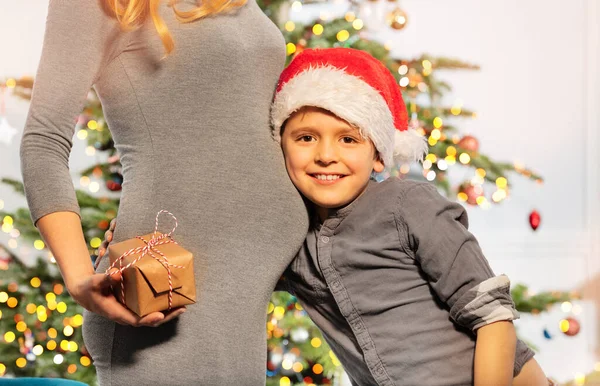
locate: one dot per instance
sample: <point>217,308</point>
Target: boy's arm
<point>434,232</point>
<point>495,354</point>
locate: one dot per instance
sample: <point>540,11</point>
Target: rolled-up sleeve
<point>435,231</point>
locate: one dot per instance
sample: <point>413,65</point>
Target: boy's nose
<point>326,153</point>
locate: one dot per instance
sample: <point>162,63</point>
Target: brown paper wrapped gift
<point>146,282</point>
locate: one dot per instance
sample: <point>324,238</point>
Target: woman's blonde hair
<point>133,13</point>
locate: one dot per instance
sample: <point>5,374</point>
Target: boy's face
<point>326,158</point>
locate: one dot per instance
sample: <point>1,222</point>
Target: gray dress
<point>193,134</point>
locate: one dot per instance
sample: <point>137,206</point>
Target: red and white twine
<point>148,249</point>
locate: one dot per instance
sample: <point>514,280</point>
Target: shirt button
<point>335,284</point>
<point>325,239</point>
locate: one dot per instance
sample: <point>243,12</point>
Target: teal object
<point>39,382</point>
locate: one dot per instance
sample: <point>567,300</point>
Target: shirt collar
<point>337,215</point>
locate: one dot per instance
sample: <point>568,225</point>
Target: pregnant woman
<point>186,91</point>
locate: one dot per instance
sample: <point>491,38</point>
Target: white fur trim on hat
<point>409,146</point>
<point>329,88</point>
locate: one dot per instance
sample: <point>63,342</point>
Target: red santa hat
<point>357,88</point>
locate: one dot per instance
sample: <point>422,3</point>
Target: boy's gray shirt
<point>397,284</point>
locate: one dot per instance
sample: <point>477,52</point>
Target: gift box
<point>146,263</point>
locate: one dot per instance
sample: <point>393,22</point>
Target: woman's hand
<point>95,294</point>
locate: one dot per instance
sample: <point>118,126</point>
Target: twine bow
<point>149,249</point>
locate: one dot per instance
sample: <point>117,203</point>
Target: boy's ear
<point>378,166</point>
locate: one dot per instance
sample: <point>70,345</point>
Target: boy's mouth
<point>327,178</point>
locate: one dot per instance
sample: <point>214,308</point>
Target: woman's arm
<point>80,39</point>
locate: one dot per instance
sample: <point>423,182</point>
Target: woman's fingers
<point>116,311</point>
<point>171,315</point>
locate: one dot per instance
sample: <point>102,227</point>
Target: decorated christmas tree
<point>41,326</point>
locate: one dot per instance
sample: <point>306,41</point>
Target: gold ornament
<point>397,19</point>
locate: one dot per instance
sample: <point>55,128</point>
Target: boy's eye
<point>305,138</point>
<point>348,140</point>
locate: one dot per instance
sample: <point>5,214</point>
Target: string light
<point>343,35</point>
<point>58,288</point>
<point>317,29</point>
<point>30,308</point>
<point>38,349</point>
<point>39,245</point>
<point>284,381</point>
<point>12,302</point>
<point>82,134</point>
<point>358,24</point>
<point>315,342</point>
<point>563,325</point>
<point>35,282</point>
<point>21,362</point>
<point>21,326</point>
<point>290,26</point>
<point>68,331</point>
<point>9,337</point>
<point>464,158</point>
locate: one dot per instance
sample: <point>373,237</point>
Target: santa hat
<point>357,88</point>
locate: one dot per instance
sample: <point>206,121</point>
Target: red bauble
<point>103,224</point>
<point>114,183</point>
<point>535,219</point>
<point>469,143</point>
<point>472,192</point>
<point>574,327</point>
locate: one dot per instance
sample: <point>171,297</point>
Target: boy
<point>388,271</point>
